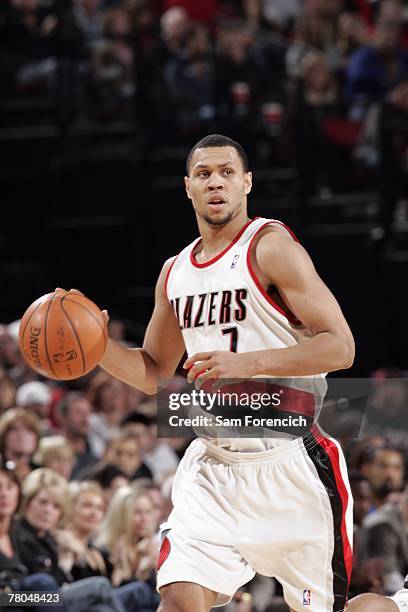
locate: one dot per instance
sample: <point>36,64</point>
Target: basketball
<point>63,335</point>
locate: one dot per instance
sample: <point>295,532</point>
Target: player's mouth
<point>216,202</point>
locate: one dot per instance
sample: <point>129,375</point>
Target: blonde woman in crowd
<point>82,559</point>
<point>78,556</point>
<point>44,502</point>
<point>56,453</point>
<point>128,535</point>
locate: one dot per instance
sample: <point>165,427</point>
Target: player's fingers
<point>60,289</point>
<point>76,291</point>
<point>105,316</point>
<point>210,375</point>
<point>197,357</point>
<point>197,369</point>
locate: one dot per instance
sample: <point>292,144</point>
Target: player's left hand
<point>219,364</point>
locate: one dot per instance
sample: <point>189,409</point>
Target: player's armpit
<point>163,339</point>
<point>283,263</point>
<point>152,366</point>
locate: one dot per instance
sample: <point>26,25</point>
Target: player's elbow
<point>150,389</point>
<point>347,352</point>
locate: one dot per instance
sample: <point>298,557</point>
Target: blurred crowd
<point>325,80</point>
<point>85,483</point>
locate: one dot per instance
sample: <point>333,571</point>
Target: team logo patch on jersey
<point>306,597</point>
<point>235,261</point>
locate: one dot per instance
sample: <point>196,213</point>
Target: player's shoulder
<point>278,248</point>
<point>168,263</point>
<point>273,239</point>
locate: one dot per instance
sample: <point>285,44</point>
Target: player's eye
<point>203,173</point>
<point>228,171</point>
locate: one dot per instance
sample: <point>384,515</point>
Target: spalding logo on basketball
<point>63,335</point>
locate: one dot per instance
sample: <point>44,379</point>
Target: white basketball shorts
<point>285,512</point>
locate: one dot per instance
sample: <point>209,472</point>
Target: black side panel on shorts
<point>325,471</point>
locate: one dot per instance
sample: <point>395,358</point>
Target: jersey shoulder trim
<point>166,281</point>
<point>288,315</point>
<point>205,264</point>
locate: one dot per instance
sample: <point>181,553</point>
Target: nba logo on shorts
<point>306,597</point>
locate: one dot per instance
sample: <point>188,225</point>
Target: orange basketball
<point>63,335</point>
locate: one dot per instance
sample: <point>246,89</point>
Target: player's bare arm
<point>153,365</point>
<point>280,261</point>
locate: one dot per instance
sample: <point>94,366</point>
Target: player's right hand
<point>104,312</point>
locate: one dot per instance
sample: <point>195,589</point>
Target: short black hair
<point>135,417</point>
<point>104,475</point>
<point>218,140</point>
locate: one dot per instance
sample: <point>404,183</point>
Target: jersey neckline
<point>205,264</point>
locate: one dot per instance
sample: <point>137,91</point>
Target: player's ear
<point>248,182</point>
<point>187,186</point>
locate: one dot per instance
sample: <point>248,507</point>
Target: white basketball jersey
<point>221,305</point>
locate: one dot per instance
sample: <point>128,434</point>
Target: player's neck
<point>216,238</point>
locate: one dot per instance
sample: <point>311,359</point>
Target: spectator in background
<point>362,496</point>
<point>19,435</point>
<point>32,38</point>
<point>11,570</point>
<point>174,24</point>
<point>367,573</point>
<point>385,472</point>
<point>281,14</point>
<point>144,27</point>
<point>189,80</point>
<point>314,100</point>
<point>36,397</point>
<point>88,16</point>
<point>352,33</point>
<point>110,478</point>
<point>124,452</point>
<point>74,412</point>
<point>13,574</point>
<point>204,11</point>
<point>159,457</point>
<point>108,398</point>
<point>156,496</point>
<point>239,82</point>
<point>10,357</point>
<point>113,66</point>
<point>78,557</point>
<point>7,393</point>
<point>387,539</point>
<point>57,454</point>
<point>44,502</point>
<point>312,32</point>
<point>376,69</point>
<point>127,534</point>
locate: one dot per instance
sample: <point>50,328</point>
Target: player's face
<point>218,185</point>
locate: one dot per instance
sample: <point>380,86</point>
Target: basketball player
<point>244,300</point>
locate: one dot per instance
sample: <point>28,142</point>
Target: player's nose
<point>215,181</point>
